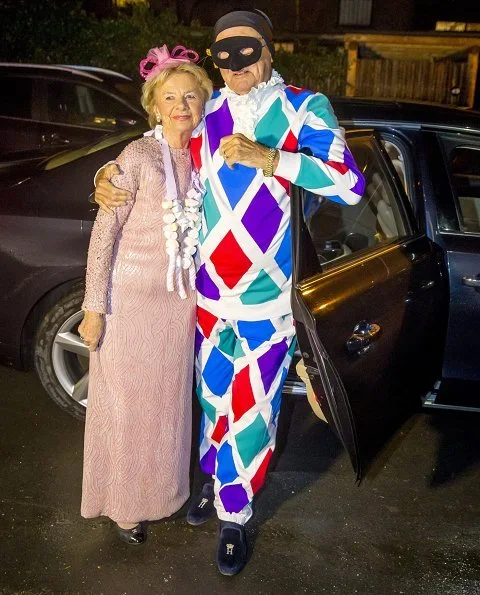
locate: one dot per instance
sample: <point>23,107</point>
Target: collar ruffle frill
<point>245,109</point>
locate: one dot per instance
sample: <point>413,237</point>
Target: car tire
<point>60,358</point>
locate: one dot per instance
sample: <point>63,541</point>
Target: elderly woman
<point>139,306</point>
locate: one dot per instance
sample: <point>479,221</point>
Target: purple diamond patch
<point>262,218</point>
<point>219,124</point>
<point>208,461</point>
<point>234,498</point>
<point>270,362</point>
<point>205,285</point>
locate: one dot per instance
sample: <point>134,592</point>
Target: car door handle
<point>471,281</point>
<point>427,284</point>
<point>363,334</point>
<point>54,138</point>
<point>415,257</point>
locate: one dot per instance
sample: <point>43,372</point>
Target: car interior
<point>338,230</point>
<point>82,105</point>
<point>465,173</point>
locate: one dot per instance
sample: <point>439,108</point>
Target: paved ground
<point>411,527</point>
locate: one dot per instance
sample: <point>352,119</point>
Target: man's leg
<point>262,357</point>
<point>214,348</point>
<point>263,354</point>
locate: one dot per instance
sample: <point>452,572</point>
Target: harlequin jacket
<point>244,258</point>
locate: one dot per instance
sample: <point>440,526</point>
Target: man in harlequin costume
<point>258,136</point>
<point>247,155</point>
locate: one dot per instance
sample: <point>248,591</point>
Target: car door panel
<point>456,182</point>
<point>386,290</point>
<point>61,136</point>
<point>461,359</point>
<point>19,135</point>
<point>367,325</point>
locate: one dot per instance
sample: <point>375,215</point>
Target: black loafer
<point>202,507</point>
<point>135,536</point>
<point>232,548</point>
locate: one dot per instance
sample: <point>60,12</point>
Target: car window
<point>16,97</point>
<point>464,167</point>
<point>70,103</point>
<point>396,156</point>
<point>131,91</point>
<point>107,141</point>
<point>338,230</point>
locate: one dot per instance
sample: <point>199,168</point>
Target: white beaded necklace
<point>182,224</point>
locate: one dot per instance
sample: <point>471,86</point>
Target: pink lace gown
<point>138,425</point>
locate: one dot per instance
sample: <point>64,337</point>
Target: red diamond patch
<point>341,167</point>
<point>220,429</point>
<point>296,90</point>
<point>291,143</point>
<point>257,480</point>
<point>230,261</point>
<point>242,394</point>
<point>195,146</point>
<point>206,321</point>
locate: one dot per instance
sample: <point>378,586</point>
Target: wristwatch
<point>268,169</point>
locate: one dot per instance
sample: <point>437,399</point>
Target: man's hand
<point>107,195</point>
<point>237,148</point>
<point>91,329</point>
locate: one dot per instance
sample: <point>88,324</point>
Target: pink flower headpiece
<point>159,59</point>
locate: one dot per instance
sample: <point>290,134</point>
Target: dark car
<point>45,108</point>
<point>386,293</point>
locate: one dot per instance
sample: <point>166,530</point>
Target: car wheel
<point>61,359</point>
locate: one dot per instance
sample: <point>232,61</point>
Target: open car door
<point>367,302</point>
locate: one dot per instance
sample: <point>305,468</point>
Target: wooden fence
<point>423,68</point>
<point>422,80</point>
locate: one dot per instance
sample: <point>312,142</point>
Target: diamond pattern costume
<point>245,332</point>
<point>241,367</point>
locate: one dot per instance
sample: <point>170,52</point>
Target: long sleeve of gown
<point>105,231</point>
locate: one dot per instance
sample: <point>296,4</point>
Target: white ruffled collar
<point>246,109</point>
<point>275,79</point>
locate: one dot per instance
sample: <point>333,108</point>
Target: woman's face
<point>179,103</point>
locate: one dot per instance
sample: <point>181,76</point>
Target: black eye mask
<point>235,53</point>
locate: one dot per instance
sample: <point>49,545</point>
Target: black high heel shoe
<point>135,536</point>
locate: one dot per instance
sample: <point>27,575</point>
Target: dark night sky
<point>429,11</point>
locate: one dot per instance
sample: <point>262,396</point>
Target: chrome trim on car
<point>295,388</point>
<point>429,402</point>
<point>460,234</point>
<point>408,125</point>
<point>51,67</point>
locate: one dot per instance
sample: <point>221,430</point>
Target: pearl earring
<point>159,119</point>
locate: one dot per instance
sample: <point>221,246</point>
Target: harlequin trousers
<point>241,367</point>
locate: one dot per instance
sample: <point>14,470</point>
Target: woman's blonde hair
<point>149,87</point>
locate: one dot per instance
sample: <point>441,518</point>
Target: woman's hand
<point>237,148</point>
<point>91,329</point>
<point>108,196</point>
